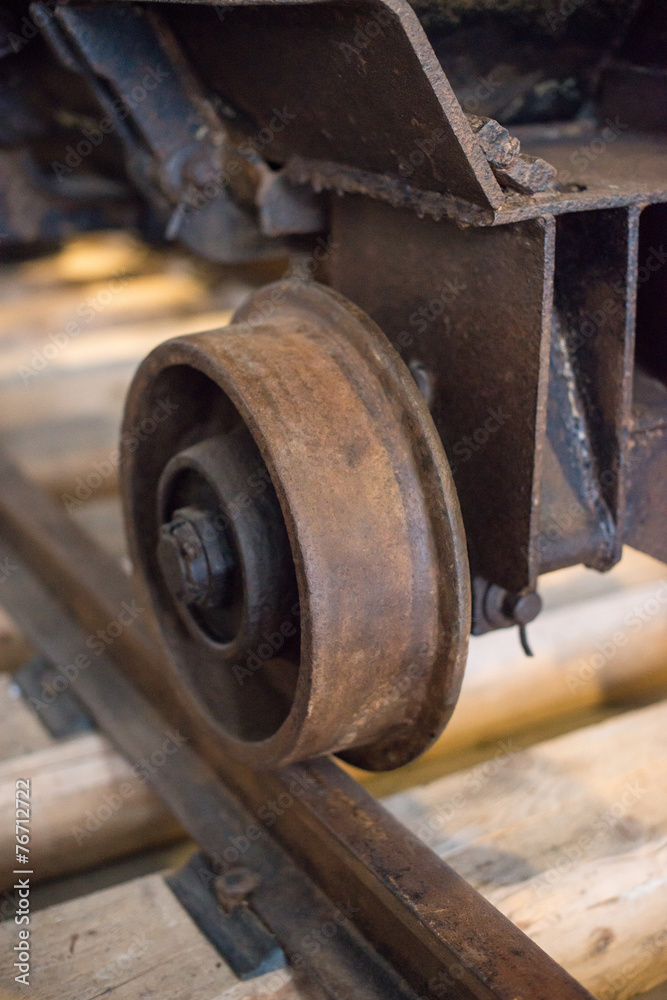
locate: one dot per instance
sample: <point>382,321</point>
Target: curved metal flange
<point>372,654</point>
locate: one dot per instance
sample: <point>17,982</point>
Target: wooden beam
<point>132,940</point>
<point>21,731</point>
<point>88,807</point>
<point>569,839</point>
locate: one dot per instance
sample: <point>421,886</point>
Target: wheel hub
<point>195,559</point>
<point>297,530</point>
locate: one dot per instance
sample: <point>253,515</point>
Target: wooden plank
<point>88,805</point>
<point>132,937</point>
<point>102,519</point>
<point>83,258</point>
<point>46,455</point>
<point>21,731</point>
<point>63,423</point>
<point>14,647</point>
<point>568,839</point>
<point>534,687</point>
<point>657,993</point>
<point>82,775</point>
<point>99,352</point>
<point>133,940</point>
<point>596,654</point>
<point>605,919</point>
<point>578,583</point>
<point>73,328</point>
<point>590,653</point>
<point>81,308</point>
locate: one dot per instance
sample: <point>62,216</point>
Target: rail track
<point>537,827</point>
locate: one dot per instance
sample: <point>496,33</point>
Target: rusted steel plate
<point>590,389</point>
<point>357,83</point>
<point>646,460</point>
<point>473,306</point>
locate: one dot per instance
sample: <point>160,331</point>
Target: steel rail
<point>412,927</point>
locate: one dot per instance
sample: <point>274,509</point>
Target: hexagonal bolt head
<point>196,559</point>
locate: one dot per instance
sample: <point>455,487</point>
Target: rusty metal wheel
<point>292,515</point>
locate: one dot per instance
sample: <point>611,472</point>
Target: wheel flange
<point>296,526</point>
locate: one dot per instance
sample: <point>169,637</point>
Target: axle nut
<point>297,529</point>
<point>195,559</point>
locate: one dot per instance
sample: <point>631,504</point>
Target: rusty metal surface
<point>525,343</point>
<point>650,348</point>
<point>602,167</point>
<point>473,306</point>
<point>373,109</point>
<point>34,210</point>
<point>320,50</point>
<point>286,898</point>
<point>366,108</point>
<point>178,152</point>
<point>646,472</point>
<point>526,60</point>
<point>590,389</point>
<point>353,97</point>
<point>632,172</point>
<point>634,82</point>
<point>354,640</point>
<point>414,927</point>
